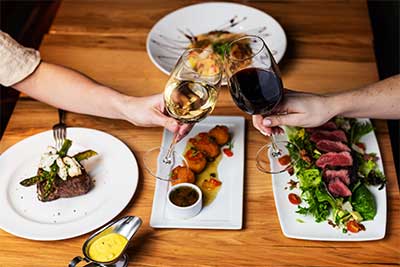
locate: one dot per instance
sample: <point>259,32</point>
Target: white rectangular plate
<point>225,212</point>
<point>312,230</point>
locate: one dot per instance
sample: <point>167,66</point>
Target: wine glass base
<point>160,164</point>
<point>274,159</point>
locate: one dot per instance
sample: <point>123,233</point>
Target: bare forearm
<point>380,101</point>
<point>70,90</point>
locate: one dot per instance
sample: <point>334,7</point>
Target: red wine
<point>256,91</point>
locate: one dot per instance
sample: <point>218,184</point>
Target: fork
<point>60,130</point>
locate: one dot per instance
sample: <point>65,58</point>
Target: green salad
<point>334,172</point>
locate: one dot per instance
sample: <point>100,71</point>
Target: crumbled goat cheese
<point>74,168</point>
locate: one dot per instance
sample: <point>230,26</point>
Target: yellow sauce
<point>107,248</point>
<point>212,167</point>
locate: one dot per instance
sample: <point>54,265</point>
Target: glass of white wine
<point>190,96</point>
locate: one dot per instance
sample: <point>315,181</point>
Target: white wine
<point>189,101</point>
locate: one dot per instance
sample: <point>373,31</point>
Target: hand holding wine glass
<point>190,96</point>
<point>256,88</point>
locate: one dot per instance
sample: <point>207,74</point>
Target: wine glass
<point>190,96</point>
<point>256,87</point>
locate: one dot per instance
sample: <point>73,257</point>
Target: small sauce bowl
<point>184,212</point>
<point>126,227</point>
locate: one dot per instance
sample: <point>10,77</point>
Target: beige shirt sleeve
<point>16,61</point>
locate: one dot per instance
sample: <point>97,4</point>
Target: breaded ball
<point>205,144</point>
<point>182,174</point>
<point>196,160</point>
<point>220,133</point>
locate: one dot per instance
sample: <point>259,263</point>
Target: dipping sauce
<point>107,248</point>
<point>209,182</point>
<point>184,196</point>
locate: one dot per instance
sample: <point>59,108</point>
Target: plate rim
<point>152,30</point>
<point>76,233</point>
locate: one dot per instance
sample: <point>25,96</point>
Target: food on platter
<point>196,160</point>
<point>182,174</point>
<point>205,144</point>
<point>204,63</point>
<point>60,175</point>
<point>220,134</point>
<point>218,42</point>
<point>184,196</point>
<point>203,155</point>
<point>335,172</point>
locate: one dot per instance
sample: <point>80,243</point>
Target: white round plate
<point>166,40</point>
<point>114,170</point>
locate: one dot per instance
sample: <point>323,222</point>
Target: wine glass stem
<point>168,157</point>
<point>276,152</point>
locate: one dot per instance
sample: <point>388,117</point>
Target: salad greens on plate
<point>334,172</point>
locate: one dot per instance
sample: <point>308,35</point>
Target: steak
<point>336,135</point>
<point>73,186</point>
<point>338,189</point>
<point>343,175</point>
<point>334,159</point>
<point>330,126</point>
<point>332,146</point>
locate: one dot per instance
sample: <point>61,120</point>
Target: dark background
<point>28,21</point>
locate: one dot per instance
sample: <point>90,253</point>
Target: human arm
<point>70,90</point>
<point>379,100</point>
<point>21,68</point>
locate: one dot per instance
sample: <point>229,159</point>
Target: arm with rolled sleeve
<point>16,61</point>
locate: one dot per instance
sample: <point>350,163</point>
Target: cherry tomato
<point>284,160</point>
<point>361,145</point>
<point>294,199</point>
<point>215,182</point>
<point>354,226</point>
<point>211,184</point>
<point>228,152</point>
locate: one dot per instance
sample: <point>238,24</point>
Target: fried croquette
<point>182,174</point>
<point>196,160</point>
<point>205,144</point>
<point>220,133</point>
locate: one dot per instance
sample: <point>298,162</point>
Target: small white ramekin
<point>185,212</point>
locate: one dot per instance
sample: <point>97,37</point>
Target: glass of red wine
<point>256,87</point>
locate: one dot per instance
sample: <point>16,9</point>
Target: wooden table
<point>329,49</point>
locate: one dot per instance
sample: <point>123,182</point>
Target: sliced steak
<point>336,135</point>
<point>330,126</point>
<point>338,189</point>
<point>332,146</point>
<point>73,186</point>
<point>343,175</point>
<point>334,159</point>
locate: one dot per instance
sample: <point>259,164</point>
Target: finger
<point>169,123</point>
<point>257,123</point>
<point>277,130</point>
<point>183,131</point>
<point>280,120</point>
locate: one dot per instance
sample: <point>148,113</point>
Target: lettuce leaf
<point>358,130</point>
<point>364,202</point>
<point>309,178</point>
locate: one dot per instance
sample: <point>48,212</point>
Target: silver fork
<point>60,129</point>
